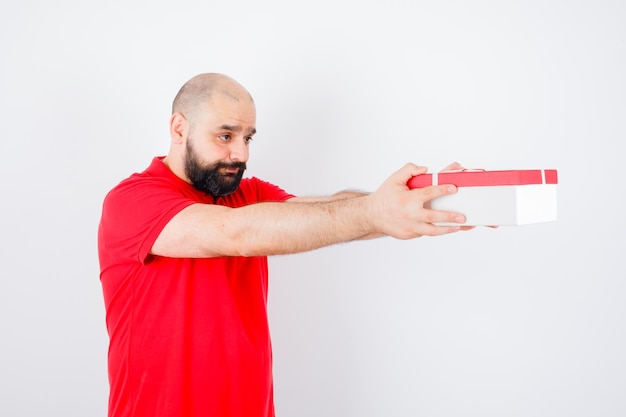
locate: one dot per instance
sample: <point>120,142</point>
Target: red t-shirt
<point>188,337</point>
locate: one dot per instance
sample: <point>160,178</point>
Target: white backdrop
<point>519,321</point>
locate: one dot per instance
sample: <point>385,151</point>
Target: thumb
<point>404,174</point>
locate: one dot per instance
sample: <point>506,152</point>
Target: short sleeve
<point>133,215</point>
<point>270,192</point>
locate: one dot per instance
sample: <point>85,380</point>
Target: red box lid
<point>475,178</point>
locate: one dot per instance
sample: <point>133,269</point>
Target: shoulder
<point>155,182</point>
<point>254,189</point>
<point>148,194</point>
<point>135,188</point>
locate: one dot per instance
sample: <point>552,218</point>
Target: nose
<point>239,151</point>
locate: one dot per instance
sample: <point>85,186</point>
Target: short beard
<point>208,178</point>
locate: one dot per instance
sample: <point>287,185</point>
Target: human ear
<point>179,128</point>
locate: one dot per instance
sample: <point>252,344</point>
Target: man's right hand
<point>399,211</point>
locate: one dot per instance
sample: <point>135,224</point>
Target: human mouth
<point>231,171</point>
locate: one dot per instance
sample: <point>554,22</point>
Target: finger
<point>434,191</point>
<point>452,167</point>
<point>466,228</point>
<point>433,230</point>
<point>404,174</point>
<point>441,216</point>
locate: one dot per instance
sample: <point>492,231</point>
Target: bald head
<point>197,92</point>
<point>213,120</point>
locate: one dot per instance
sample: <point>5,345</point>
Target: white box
<point>496,198</point>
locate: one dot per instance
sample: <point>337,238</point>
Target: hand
<point>399,211</point>
<point>455,166</point>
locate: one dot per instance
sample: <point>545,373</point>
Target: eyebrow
<point>236,128</point>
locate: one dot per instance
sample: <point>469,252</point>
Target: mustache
<point>238,165</point>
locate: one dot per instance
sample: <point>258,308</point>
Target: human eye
<point>248,139</point>
<point>225,137</point>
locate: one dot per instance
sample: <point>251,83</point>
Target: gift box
<point>496,198</point>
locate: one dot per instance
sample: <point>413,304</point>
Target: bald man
<point>183,252</point>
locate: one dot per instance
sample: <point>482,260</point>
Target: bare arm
<point>202,230</point>
<point>337,196</point>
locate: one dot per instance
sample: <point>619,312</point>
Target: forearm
<point>353,194</point>
<point>348,194</point>
<point>281,228</point>
<point>342,195</point>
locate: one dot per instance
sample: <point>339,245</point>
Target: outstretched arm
<point>337,196</point>
<point>203,230</point>
<point>342,195</point>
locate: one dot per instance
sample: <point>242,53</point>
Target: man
<point>183,249</point>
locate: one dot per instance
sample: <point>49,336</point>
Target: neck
<point>177,169</point>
